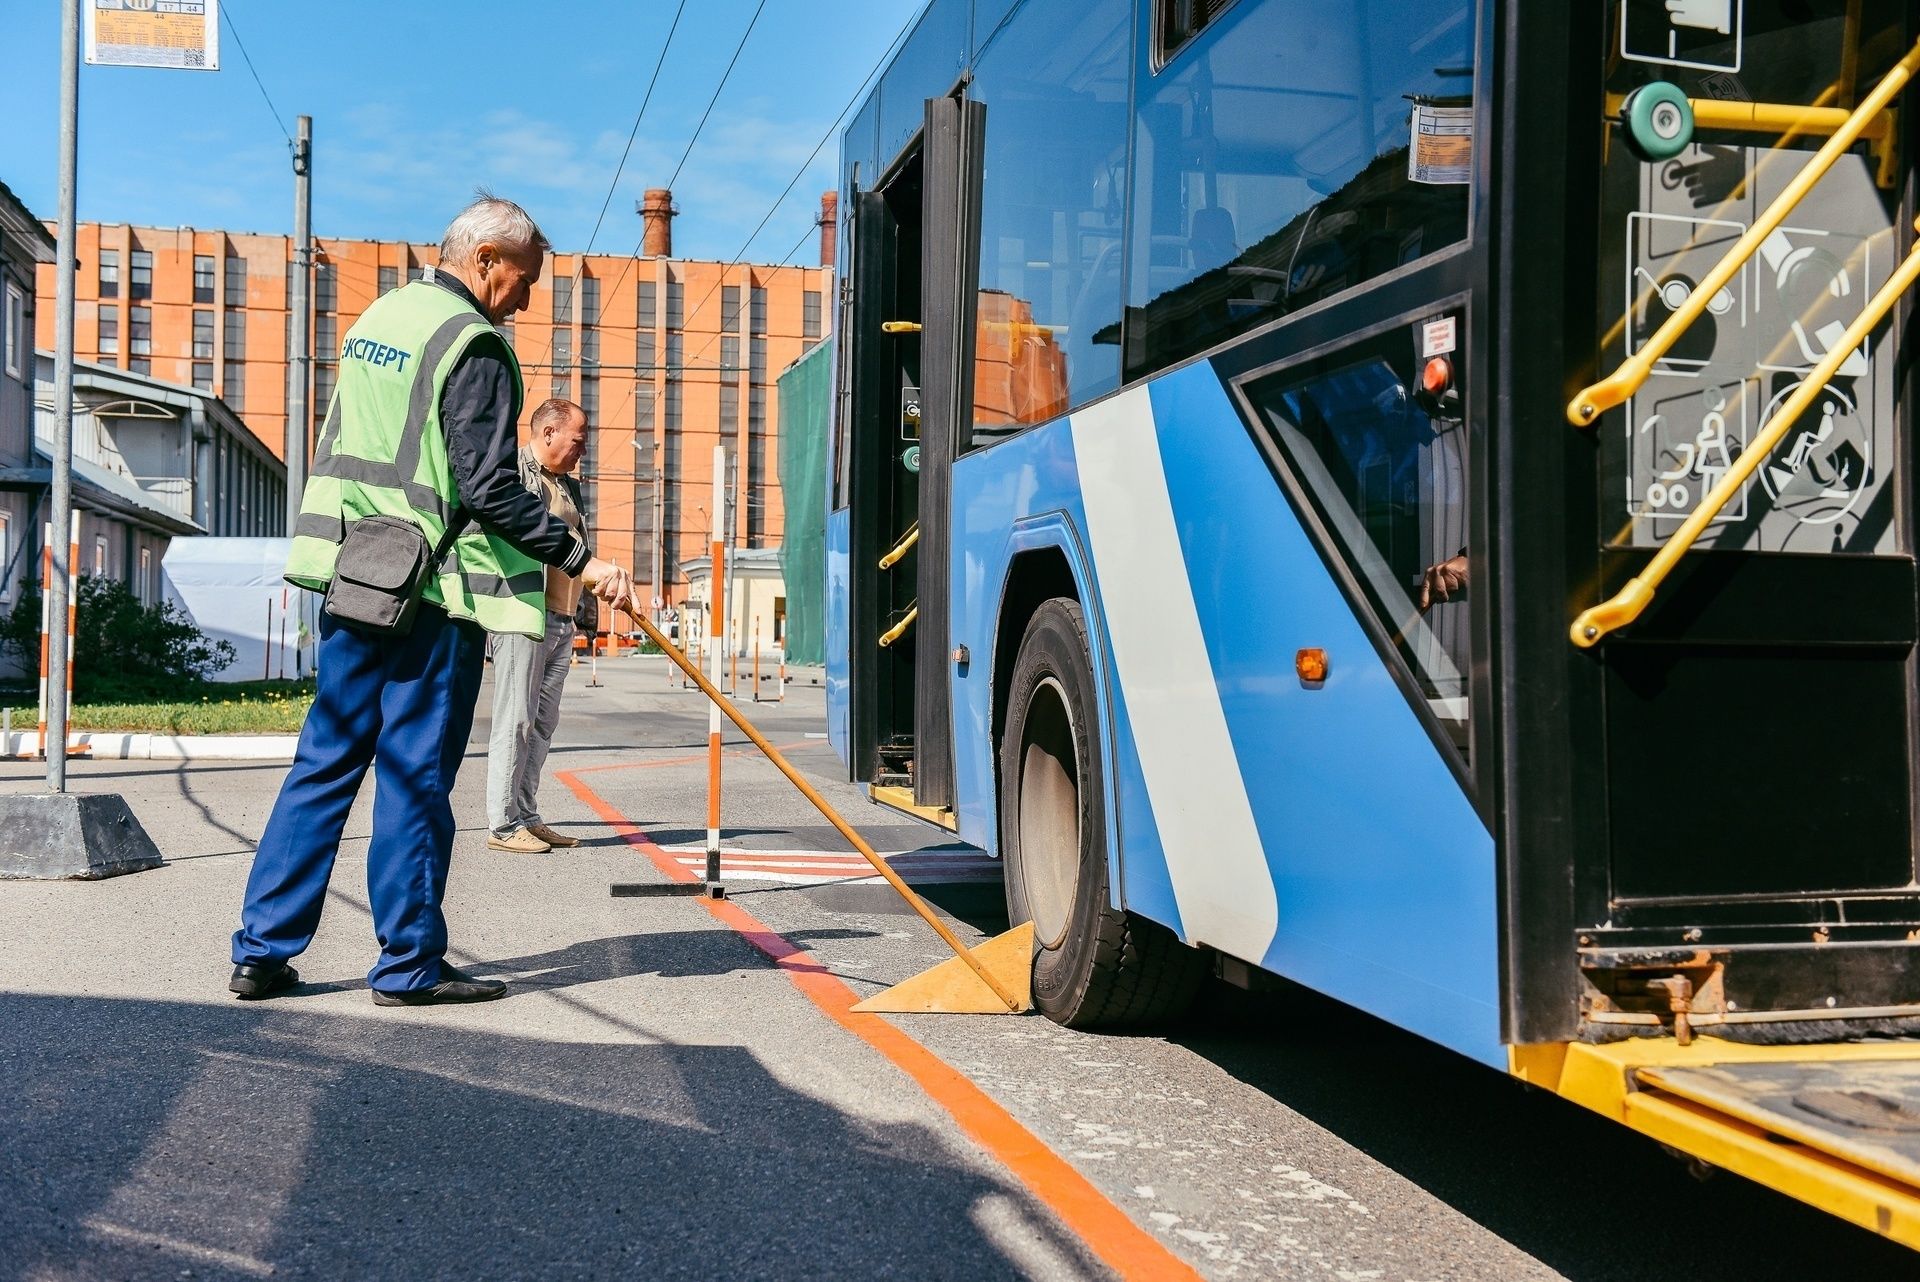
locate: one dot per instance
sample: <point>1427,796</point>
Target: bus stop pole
<point>60,519</point>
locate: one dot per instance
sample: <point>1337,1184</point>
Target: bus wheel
<point>1093,964</point>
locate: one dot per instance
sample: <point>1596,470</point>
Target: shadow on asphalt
<point>150,1139</point>
<point>1584,1195</point>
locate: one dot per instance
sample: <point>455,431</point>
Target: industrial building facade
<point>668,357</point>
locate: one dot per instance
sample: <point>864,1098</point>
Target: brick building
<point>667,356</point>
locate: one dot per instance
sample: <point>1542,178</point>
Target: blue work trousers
<point>405,706</point>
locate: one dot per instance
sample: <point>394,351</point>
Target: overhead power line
<point>635,131</point>
<point>226,16</point>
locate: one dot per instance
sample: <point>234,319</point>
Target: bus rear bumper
<point>1836,1126</point>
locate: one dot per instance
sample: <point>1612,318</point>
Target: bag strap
<point>456,526</point>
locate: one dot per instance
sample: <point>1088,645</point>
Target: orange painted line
<point>1109,1232</point>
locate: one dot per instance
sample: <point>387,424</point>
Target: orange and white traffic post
<point>716,596</point>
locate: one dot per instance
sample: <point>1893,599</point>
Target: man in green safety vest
<point>422,427</point>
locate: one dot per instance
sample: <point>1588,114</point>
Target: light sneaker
<point>558,840</point>
<point>519,841</point>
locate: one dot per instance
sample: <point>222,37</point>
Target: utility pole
<point>300,359</point>
<point>55,744</point>
<point>733,539</point>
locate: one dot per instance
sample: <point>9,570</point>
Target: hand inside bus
<point>1441,582</point>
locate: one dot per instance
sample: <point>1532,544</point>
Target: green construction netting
<point>805,405</point>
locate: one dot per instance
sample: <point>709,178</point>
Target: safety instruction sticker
<point>1703,34</point>
<point>1442,148</point>
<point>1685,438</point>
<point>180,34</point>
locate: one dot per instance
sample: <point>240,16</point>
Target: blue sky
<point>414,103</point>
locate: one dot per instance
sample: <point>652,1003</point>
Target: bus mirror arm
<point>1627,604</point>
<point>1587,407</point>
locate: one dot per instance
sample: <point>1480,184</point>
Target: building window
<point>6,557</point>
<point>759,359</point>
<point>416,272</point>
<point>236,336</point>
<point>673,354</point>
<point>109,273</point>
<point>235,393</point>
<point>589,396</point>
<point>140,281</point>
<point>676,304</point>
<point>109,329</point>
<point>236,281</point>
<point>325,288</point>
<point>99,556</point>
<point>389,279</point>
<point>203,278</point>
<point>757,411</point>
<point>759,309</point>
<point>808,344</point>
<point>326,330</point>
<point>139,365</point>
<point>203,334</point>
<point>562,352</point>
<point>729,353</point>
<point>644,314</point>
<point>644,402</point>
<point>323,380</point>
<point>589,301</point>
<point>563,300</point>
<point>589,346</point>
<point>203,375</point>
<point>140,331</point>
<point>729,408</point>
<point>14,325</point>
<point>506,330</point>
<point>810,314</point>
<point>147,589</point>
<point>729,309</point>
<point>644,360</point>
<point>673,407</point>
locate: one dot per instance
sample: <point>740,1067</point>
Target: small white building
<point>756,599</point>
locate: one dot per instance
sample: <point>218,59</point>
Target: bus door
<point>882,407</point>
<point>1752,752</point>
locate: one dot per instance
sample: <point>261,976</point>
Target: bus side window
<point>1272,166</point>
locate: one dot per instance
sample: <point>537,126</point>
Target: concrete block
<point>50,836</point>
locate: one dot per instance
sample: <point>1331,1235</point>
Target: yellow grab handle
<point>899,629</point>
<point>1627,604</point>
<point>1614,389</point>
<point>901,548</point>
<point>899,327</point>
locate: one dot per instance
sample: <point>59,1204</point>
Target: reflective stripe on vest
<point>381,406</point>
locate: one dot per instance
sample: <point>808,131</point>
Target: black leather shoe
<point>454,986</point>
<point>253,981</point>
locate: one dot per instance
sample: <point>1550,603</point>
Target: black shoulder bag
<point>381,570</point>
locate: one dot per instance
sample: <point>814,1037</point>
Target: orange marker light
<point>1311,664</point>
<point>1437,376</point>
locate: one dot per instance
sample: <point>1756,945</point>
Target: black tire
<point>1094,965</point>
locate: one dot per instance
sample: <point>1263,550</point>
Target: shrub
<point>123,650</point>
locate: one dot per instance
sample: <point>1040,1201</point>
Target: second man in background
<point>527,674</point>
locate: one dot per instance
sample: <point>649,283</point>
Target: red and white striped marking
<point>820,867</point>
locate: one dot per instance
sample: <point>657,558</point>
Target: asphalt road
<point>658,1098</point>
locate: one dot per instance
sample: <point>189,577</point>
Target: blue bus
<point>1412,497</point>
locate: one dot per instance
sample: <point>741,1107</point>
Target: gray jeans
<point>527,678</point>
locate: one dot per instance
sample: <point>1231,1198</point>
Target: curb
<point>107,745</point>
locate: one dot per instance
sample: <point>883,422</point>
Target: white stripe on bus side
<point>1207,831</point>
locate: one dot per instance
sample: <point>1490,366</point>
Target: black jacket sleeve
<point>477,412</point>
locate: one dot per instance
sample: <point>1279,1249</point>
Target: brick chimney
<point>829,226</point>
<point>656,221</point>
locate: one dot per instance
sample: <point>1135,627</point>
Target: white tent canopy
<point>234,590</point>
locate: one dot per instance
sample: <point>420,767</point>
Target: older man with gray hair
<point>528,675</point>
<point>421,432</point>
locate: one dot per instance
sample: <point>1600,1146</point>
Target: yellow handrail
<point>901,548</point>
<point>1627,604</point>
<point>899,629</point>
<point>899,327</point>
<point>1614,390</point>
